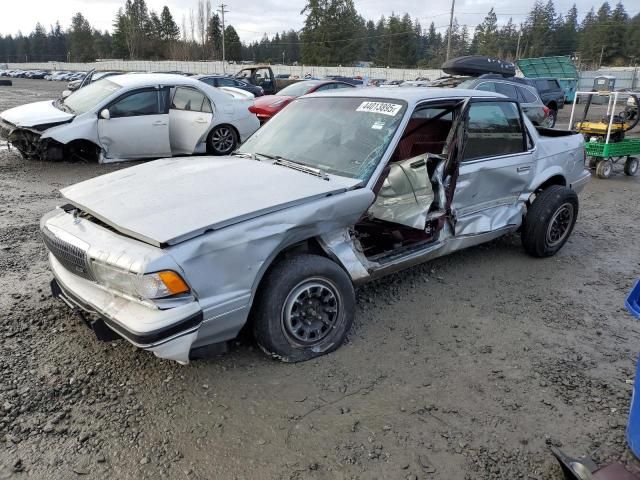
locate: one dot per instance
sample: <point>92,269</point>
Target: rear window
<point>527,96</point>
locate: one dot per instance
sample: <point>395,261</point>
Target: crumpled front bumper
<point>167,333</point>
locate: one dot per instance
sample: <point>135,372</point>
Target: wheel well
<point>75,147</point>
<point>232,127</point>
<point>552,105</point>
<point>555,180</point>
<point>310,245</point>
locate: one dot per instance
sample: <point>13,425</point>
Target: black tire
<point>551,120</point>
<point>5,83</point>
<point>604,168</point>
<point>631,166</point>
<point>550,221</point>
<point>303,294</point>
<point>222,140</point>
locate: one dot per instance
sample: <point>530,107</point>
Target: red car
<point>267,106</point>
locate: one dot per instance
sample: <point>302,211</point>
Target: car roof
<point>411,95</point>
<point>132,80</point>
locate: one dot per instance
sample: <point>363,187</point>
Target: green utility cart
<point>606,142</point>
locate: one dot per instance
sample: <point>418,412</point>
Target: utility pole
<point>518,47</point>
<point>453,4</point>
<point>601,54</point>
<point>222,12</point>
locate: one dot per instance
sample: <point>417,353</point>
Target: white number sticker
<point>390,109</point>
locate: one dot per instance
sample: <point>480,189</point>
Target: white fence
<point>627,78</point>
<point>216,67</point>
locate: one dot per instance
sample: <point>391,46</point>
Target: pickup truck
<point>342,187</point>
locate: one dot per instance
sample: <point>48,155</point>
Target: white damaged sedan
<point>132,116</point>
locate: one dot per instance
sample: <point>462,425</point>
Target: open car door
<point>494,166</point>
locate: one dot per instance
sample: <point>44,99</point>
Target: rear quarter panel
<point>558,156</point>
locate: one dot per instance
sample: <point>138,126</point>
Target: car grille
<point>71,257</point>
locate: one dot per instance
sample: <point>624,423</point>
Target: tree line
<point>334,33</point>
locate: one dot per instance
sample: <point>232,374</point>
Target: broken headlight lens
<point>150,286</point>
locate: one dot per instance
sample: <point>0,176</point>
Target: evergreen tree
<point>232,44</point>
<point>81,39</point>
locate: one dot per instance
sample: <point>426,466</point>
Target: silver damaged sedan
<point>178,255</point>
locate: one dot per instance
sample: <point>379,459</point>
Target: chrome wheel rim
<point>560,225</point>
<point>548,121</point>
<point>633,166</point>
<point>311,312</point>
<point>606,170</point>
<point>222,139</point>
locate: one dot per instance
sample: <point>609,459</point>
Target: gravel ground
<point>468,367</point>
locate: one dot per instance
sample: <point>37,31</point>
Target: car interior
<point>409,194</point>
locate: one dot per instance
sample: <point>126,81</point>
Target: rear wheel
<point>305,308</point>
<point>604,168</point>
<point>550,120</point>
<point>631,166</point>
<point>222,140</point>
<point>550,221</point>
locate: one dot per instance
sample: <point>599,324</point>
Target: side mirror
<point>104,114</point>
<point>66,93</point>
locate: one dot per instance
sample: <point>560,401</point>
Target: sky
<point>254,18</point>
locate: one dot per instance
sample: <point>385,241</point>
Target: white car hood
<point>37,113</point>
<point>167,201</point>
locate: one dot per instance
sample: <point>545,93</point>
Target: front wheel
<point>631,166</point>
<point>222,140</point>
<point>304,309</point>
<point>550,221</point>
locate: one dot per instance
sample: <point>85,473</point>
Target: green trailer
<point>606,142</point>
<point>560,68</point>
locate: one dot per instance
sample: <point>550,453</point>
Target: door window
<point>507,90</point>
<point>493,129</point>
<point>190,100</point>
<point>139,103</point>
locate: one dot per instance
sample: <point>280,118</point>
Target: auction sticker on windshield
<point>390,109</point>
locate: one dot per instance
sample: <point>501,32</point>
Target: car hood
<point>168,201</point>
<point>37,113</point>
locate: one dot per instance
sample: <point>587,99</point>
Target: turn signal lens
<point>174,283</point>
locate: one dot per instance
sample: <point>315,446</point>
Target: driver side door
<point>137,127</point>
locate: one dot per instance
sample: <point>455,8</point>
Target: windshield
<point>88,97</point>
<point>338,135</point>
<point>297,89</point>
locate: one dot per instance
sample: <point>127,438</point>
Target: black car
<point>224,81</point>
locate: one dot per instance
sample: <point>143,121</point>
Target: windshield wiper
<point>301,167</point>
<point>60,105</point>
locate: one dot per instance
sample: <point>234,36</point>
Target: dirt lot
<point>468,367</point>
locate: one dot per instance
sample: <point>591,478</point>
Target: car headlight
<point>150,285</point>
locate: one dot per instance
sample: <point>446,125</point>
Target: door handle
<point>159,123</point>
<point>201,120</point>
<point>523,169</point>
